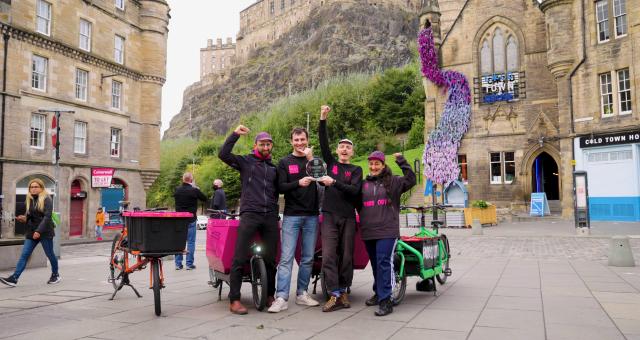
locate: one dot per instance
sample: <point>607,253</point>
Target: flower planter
<point>486,215</point>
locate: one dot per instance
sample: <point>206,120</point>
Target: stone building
<point>217,59</point>
<point>104,60</point>
<point>553,86</point>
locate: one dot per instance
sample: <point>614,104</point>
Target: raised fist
<point>324,112</point>
<point>241,130</point>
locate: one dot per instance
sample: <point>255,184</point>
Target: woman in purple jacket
<point>379,217</point>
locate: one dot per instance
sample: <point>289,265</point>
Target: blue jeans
<point>291,228</point>
<point>191,246</point>
<point>99,231</point>
<point>381,256</point>
<point>27,250</point>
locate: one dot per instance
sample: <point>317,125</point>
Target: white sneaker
<point>278,306</point>
<point>306,300</point>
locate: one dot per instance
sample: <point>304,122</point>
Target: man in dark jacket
<point>258,210</point>
<point>219,199</point>
<point>342,189</point>
<point>300,218</point>
<point>186,197</point>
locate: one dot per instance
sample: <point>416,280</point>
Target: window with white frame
<point>116,135</point>
<point>620,17</point>
<point>606,95</point>
<point>602,19</point>
<point>43,17</point>
<point>80,137</point>
<point>499,52</point>
<point>624,91</point>
<point>38,122</point>
<point>39,69</point>
<point>120,4</point>
<point>502,167</point>
<point>282,5</point>
<point>116,94</point>
<point>272,7</point>
<point>118,50</point>
<point>85,35</point>
<point>82,84</point>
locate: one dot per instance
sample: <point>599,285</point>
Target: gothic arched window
<point>497,54</point>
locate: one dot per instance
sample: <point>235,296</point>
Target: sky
<point>192,23</point>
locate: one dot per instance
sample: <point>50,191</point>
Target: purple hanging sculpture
<point>440,156</point>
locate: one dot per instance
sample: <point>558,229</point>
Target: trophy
<point>316,168</point>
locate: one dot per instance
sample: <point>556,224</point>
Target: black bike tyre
<point>323,285</point>
<point>259,283</point>
<point>401,292</point>
<point>155,265</point>
<point>112,269</point>
<point>442,278</point>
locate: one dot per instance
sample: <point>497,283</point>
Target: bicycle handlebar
<point>221,212</point>
<point>427,207</point>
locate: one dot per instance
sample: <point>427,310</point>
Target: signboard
<point>591,141</point>
<point>500,87</point>
<point>539,204</point>
<point>581,192</point>
<point>101,177</point>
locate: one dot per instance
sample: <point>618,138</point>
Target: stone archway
<point>549,153</point>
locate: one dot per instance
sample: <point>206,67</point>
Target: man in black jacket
<point>219,199</point>
<point>342,187</point>
<point>258,210</point>
<point>186,197</point>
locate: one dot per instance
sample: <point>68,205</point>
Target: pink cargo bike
<point>221,240</point>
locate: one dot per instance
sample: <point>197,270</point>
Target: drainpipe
<point>4,109</point>
<point>571,74</point>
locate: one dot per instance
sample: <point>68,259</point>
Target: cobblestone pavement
<point>508,284</point>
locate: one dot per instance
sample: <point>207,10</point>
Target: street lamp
<point>56,160</point>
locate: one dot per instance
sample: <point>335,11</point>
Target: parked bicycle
<point>146,237</point>
<point>425,255</point>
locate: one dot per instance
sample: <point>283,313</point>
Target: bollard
<point>620,254</point>
<point>476,227</point>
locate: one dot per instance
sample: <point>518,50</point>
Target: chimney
<point>209,42</point>
<point>219,42</point>
<point>229,41</point>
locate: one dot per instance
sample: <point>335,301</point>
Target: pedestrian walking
<point>258,210</point>
<point>186,200</point>
<point>40,229</point>
<point>338,229</point>
<point>99,223</point>
<point>379,217</point>
<point>301,208</point>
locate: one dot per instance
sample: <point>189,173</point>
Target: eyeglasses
<point>35,186</point>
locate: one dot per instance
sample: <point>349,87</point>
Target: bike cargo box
<point>157,231</point>
<point>428,246</point>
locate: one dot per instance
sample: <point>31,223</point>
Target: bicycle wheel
<point>117,256</point>
<point>155,267</point>
<point>442,278</point>
<point>259,283</point>
<point>323,285</point>
<point>399,290</point>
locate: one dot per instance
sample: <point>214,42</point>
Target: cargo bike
<point>146,237</point>
<point>425,255</point>
<point>222,233</point>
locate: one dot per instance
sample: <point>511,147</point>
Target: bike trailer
<point>428,246</point>
<point>157,231</point>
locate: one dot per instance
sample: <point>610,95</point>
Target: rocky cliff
<point>336,39</point>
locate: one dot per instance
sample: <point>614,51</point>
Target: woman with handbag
<point>39,208</point>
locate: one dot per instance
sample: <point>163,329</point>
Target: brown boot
<point>344,298</point>
<point>334,303</point>
<point>236,307</point>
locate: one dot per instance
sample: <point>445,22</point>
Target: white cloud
<point>192,23</point>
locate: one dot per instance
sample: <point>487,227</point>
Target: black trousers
<point>338,238</point>
<point>267,226</point>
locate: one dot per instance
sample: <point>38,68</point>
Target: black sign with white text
<point>591,141</point>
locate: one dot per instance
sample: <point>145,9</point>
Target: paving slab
<point>514,302</point>
<point>495,333</point>
<point>361,329</point>
<point>511,318</point>
<point>445,320</point>
<point>420,333</point>
<point>570,315</point>
<point>569,332</point>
